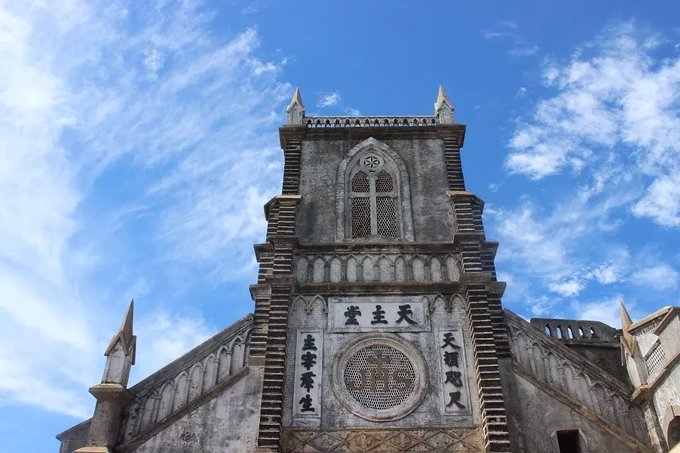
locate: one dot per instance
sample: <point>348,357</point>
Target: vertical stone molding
<point>453,136</point>
<point>291,142</point>
<point>274,302</point>
<point>492,403</point>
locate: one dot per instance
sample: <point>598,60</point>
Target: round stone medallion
<point>379,377</point>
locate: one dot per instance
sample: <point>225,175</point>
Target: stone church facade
<point>378,327</point>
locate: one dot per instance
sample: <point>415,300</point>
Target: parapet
<point>578,331</point>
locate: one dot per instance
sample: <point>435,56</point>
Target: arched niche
<point>392,163</point>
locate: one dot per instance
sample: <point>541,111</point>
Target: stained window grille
<point>373,200</point>
<point>384,182</point>
<point>361,217</point>
<point>386,217</point>
<point>360,182</point>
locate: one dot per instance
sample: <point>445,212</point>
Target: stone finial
<point>296,109</point>
<point>112,395</point>
<point>120,354</point>
<point>443,109</point>
<point>626,322</point>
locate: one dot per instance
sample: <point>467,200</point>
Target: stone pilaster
<point>271,310</point>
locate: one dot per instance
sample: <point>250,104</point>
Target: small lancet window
<point>373,200</point>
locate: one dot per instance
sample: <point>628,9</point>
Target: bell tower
<point>378,321</point>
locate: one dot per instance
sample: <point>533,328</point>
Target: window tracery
<point>373,199</point>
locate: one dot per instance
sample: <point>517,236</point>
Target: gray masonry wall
<point>534,417</point>
<point>424,160</point>
<point>428,414</point>
<point>226,423</point>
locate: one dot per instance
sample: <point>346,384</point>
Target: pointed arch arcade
<point>373,195</point>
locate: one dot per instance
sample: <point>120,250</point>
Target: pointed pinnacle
<point>297,100</point>
<point>126,325</point>
<point>442,99</point>
<point>628,340</point>
<point>626,321</point>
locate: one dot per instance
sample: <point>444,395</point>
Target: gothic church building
<point>378,327</point>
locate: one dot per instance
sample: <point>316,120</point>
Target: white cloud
<point>658,277</point>
<point>567,288</point>
<point>328,99</point>
<point>163,337</point>
<point>606,311</point>
<point>508,31</point>
<point>611,97</point>
<point>85,91</point>
<point>613,269</point>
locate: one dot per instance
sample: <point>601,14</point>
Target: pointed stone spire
<point>628,339</point>
<point>112,394</point>
<point>443,109</point>
<point>296,109</point>
<point>120,354</point>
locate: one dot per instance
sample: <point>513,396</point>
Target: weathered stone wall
<point>424,161</point>
<point>226,423</point>
<point>312,314</point>
<point>167,391</point>
<point>534,417</point>
<point>545,376</point>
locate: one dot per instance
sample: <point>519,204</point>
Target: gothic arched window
<point>373,199</point>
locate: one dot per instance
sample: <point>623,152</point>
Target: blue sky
<point>138,143</point>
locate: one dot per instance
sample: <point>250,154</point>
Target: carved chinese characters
<point>363,314</point>
<point>307,393</point>
<point>455,394</point>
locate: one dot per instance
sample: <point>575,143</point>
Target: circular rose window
<point>379,377</point>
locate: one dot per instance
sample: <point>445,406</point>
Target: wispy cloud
<point>328,99</point>
<point>612,95</point>
<point>658,277</point>
<point>608,128</point>
<point>606,311</point>
<point>509,33</point>
<point>138,110</point>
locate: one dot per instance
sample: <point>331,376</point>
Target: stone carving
<point>397,190</point>
<point>308,303</point>
<point>369,268</point>
<point>379,313</point>
<point>453,378</point>
<point>462,440</point>
<point>152,405</point>
<point>308,374</point>
<point>379,377</point>
<point>369,121</point>
<point>565,371</point>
